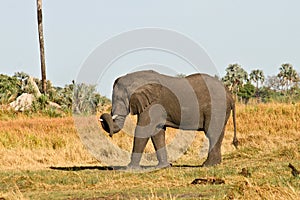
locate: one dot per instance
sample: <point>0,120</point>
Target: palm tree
<point>41,42</point>
<point>235,77</point>
<point>257,76</point>
<point>287,75</point>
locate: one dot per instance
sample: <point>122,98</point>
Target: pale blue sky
<point>256,34</point>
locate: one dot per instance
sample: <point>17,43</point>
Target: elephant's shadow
<point>109,168</point>
<point>80,168</point>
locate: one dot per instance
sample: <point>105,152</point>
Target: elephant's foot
<point>135,162</point>
<point>163,165</point>
<point>211,162</point>
<point>214,157</point>
<point>134,167</point>
<point>162,158</point>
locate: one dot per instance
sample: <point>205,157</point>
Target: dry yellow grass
<point>273,119</point>
<point>269,136</point>
<point>27,143</point>
<point>269,126</point>
<point>42,141</point>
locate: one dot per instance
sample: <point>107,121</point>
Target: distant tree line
<point>283,87</point>
<point>82,98</point>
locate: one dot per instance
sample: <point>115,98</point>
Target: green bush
<point>246,92</point>
<point>85,99</point>
<point>10,88</point>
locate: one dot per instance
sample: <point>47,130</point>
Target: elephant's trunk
<point>112,124</point>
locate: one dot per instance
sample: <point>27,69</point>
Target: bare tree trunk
<point>41,41</point>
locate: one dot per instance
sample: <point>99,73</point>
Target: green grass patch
<point>172,183</point>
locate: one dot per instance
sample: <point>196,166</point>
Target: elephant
<point>196,102</point>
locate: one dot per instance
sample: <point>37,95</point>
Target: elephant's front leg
<point>139,144</point>
<point>159,144</point>
<point>149,124</point>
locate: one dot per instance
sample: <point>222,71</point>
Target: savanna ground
<point>43,158</point>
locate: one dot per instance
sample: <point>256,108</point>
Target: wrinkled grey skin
<point>197,102</point>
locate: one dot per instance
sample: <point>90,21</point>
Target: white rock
<point>55,105</point>
<point>23,102</point>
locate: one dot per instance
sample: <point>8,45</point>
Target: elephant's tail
<point>235,141</point>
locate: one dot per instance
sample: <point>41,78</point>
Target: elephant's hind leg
<point>214,152</point>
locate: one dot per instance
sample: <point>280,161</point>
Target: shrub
<point>246,92</point>
<point>85,99</point>
<point>10,88</point>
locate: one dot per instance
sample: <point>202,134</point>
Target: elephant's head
<point>127,98</point>
<point>114,122</point>
<point>109,124</point>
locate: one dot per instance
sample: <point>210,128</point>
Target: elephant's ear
<point>143,97</point>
